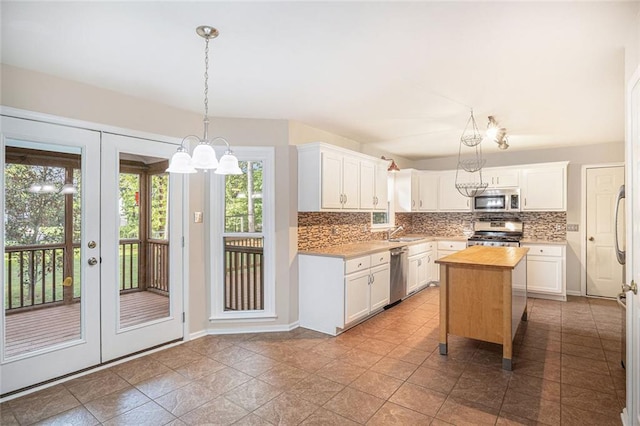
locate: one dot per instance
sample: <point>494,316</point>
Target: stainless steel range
<point>496,232</point>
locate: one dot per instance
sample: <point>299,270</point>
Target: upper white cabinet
<point>544,187</point>
<point>333,179</point>
<point>501,177</point>
<point>449,199</point>
<point>416,191</point>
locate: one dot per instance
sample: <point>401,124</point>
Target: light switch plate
<point>197,217</point>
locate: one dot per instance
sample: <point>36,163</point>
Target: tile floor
<point>386,371</point>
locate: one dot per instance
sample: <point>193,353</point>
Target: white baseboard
<point>250,329</point>
<point>574,293</point>
<point>547,296</point>
<point>198,334</point>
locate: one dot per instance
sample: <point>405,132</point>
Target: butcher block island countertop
<point>483,296</point>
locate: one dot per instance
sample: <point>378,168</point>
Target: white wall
<point>577,157</point>
<point>300,133</point>
<point>43,93</point>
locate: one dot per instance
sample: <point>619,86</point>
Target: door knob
<point>591,239</point>
<point>92,261</point>
<point>632,287</point>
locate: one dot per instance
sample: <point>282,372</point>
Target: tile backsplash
<point>325,229</point>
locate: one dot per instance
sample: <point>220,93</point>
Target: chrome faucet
<point>390,232</point>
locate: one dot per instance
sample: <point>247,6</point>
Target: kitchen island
<point>483,296</point>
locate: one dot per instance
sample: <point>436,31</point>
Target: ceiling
<point>399,76</point>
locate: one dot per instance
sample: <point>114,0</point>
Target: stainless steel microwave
<point>497,200</point>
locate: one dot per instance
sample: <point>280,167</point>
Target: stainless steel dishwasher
<point>399,263</point>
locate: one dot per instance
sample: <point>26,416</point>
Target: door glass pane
<point>144,241</point>
<point>42,222</point>
<point>244,273</point>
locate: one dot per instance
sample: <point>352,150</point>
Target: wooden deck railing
<point>34,274</point>
<point>158,273</point>
<point>244,274</point>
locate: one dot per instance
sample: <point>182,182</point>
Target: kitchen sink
<point>405,239</point>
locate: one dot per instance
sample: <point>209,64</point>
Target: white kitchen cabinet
<point>335,179</point>
<point>420,266</point>
<point>335,293</point>
<point>416,191</point>
<point>373,185</point>
<point>445,248</point>
<point>501,177</point>
<point>546,276</point>
<point>449,199</point>
<point>544,187</point>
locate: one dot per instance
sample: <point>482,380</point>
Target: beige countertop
<point>499,257</point>
<point>348,251</point>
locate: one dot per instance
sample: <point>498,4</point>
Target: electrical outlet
<point>197,217</point>
<point>573,227</point>
<point>334,230</point>
<point>365,228</point>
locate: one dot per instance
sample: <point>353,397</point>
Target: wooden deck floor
<point>32,330</point>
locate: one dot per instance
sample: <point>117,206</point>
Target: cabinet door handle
<point>345,198</point>
<point>420,203</point>
<point>373,279</point>
<point>413,203</point>
<point>498,180</point>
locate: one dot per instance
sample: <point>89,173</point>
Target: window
<point>241,238</point>
<point>381,221</point>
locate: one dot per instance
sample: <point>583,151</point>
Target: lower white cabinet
<point>421,263</point>
<point>445,248</point>
<point>336,293</point>
<point>546,273</point>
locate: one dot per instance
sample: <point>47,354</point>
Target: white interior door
<point>51,288</point>
<point>604,273</point>
<point>142,246</point>
<point>631,415</point>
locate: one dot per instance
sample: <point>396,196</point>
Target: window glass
<point>243,199</point>
<point>159,206</point>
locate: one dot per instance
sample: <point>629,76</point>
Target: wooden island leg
<point>444,326</point>
<point>507,339</point>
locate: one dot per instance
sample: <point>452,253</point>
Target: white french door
<point>135,319</point>
<point>92,235</point>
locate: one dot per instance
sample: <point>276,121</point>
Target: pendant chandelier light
<point>497,134</point>
<point>204,156</point>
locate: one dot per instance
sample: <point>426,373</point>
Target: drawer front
<point>452,245</point>
<point>536,250</point>
<point>380,258</point>
<point>418,248</point>
<point>357,264</point>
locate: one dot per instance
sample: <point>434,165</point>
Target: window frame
<point>214,250</point>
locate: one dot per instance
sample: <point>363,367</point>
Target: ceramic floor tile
<point>484,392</point>
<point>583,351</point>
<point>585,364</point>
<point>42,404</point>
<point>219,411</point>
<point>6,416</point>
<point>461,412</point>
<point>341,372</point>
<point>361,358</point>
<point>583,379</point>
<point>573,416</point>
<point>114,404</point>
<point>590,400</point>
<point>176,356</point>
<point>535,386</point>
<point>252,420</point>
<point>231,355</point>
<point>139,369</point>
<point>286,409</point>
<point>433,379</point>
<point>200,367</point>
<point>224,380</point>
<point>283,376</point>
<point>162,383</point>
<point>355,405</point>
<point>252,394</point>
<point>149,414</point>
<point>376,384</point>
<point>418,398</point>
<point>391,414</point>
<point>92,386</point>
<point>324,417</point>
<point>376,346</point>
<point>394,368</point>
<point>186,398</point>
<point>408,354</point>
<point>532,407</point>
<point>315,389</point>
<point>75,416</point>
<point>255,365</point>
<point>543,370</point>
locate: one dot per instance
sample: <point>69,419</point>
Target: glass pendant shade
<point>181,163</point>
<point>204,157</point>
<point>228,165</point>
<point>68,188</point>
